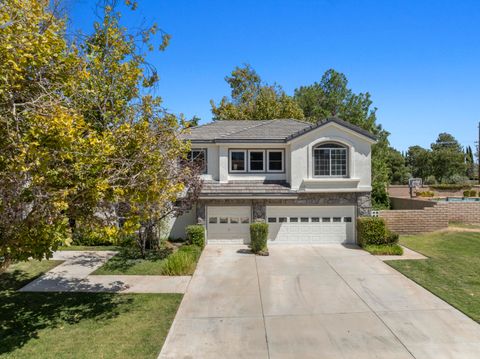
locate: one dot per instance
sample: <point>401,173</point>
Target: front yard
<point>166,261</point>
<point>452,271</point>
<point>80,325</point>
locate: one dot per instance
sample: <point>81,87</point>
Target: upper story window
<point>238,159</point>
<point>199,156</point>
<point>256,161</point>
<point>275,161</point>
<point>330,160</point>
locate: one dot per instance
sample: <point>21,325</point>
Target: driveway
<point>306,301</point>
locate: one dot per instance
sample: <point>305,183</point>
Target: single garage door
<point>311,224</point>
<point>228,224</point>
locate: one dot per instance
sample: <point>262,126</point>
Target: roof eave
<point>243,140</point>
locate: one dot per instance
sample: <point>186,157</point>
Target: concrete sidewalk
<point>306,301</point>
<point>73,275</point>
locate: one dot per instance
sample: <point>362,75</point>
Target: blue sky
<point>420,60</point>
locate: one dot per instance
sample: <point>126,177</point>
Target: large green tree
<point>251,99</point>
<point>332,97</point>
<point>398,172</point>
<point>448,160</point>
<point>419,161</point>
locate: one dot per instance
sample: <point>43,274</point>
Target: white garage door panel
<point>237,226</point>
<point>311,231</point>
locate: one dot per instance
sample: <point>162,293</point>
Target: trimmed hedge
<point>258,237</point>
<point>373,230</point>
<point>425,193</point>
<point>445,186</point>
<point>196,235</point>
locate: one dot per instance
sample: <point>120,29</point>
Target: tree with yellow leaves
<point>78,134</point>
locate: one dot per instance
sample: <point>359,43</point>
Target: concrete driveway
<point>306,301</point>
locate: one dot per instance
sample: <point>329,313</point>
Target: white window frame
<point>245,159</point>
<point>205,154</point>
<point>249,164</point>
<point>268,161</point>
<point>347,162</point>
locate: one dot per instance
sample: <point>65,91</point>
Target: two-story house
<point>309,182</point>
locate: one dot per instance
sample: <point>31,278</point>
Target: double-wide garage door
<point>287,224</point>
<point>311,224</point>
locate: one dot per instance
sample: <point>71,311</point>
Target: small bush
<point>89,236</point>
<point>183,261</point>
<point>371,230</point>
<point>258,237</point>
<point>469,193</point>
<point>196,235</point>
<point>384,249</point>
<point>425,193</point>
<point>391,237</point>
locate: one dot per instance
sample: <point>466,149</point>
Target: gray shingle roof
<point>246,188</point>
<point>281,130</point>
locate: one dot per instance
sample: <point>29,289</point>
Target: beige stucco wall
<point>359,158</point>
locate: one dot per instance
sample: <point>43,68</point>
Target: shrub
<point>454,187</point>
<point>469,193</point>
<point>425,193</point>
<point>384,249</point>
<point>456,179</point>
<point>371,230</point>
<point>90,236</point>
<point>183,261</point>
<point>196,235</point>
<point>258,237</point>
<point>391,237</point>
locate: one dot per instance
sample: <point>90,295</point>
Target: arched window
<point>330,160</point>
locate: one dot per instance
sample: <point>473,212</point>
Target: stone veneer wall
<point>259,207</point>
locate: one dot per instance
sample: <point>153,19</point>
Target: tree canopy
<point>331,97</point>
<point>79,135</point>
<point>444,162</point>
<point>251,99</point>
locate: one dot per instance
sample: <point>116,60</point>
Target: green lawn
<point>383,249</point>
<point>166,262</point>
<point>463,225</point>
<point>80,325</point>
<point>452,270</point>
